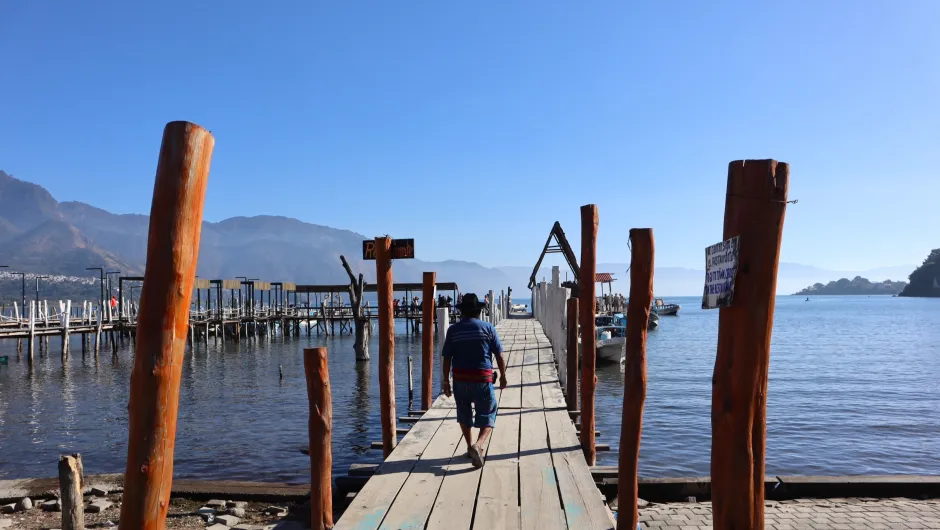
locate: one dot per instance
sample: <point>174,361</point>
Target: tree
<point>361,322</point>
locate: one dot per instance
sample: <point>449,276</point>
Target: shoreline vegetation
<point>855,286</point>
<point>925,280</point>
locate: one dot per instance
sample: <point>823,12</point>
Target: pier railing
<point>550,309</point>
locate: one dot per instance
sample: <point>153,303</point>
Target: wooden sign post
<point>586,291</point>
<point>754,210</point>
<point>634,379</point>
<point>383,250</point>
<point>163,323</point>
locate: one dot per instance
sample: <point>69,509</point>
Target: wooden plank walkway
<point>534,476</point>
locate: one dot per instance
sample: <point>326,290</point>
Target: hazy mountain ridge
<point>39,234</point>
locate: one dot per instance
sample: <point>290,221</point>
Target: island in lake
<point>925,280</point>
<point>855,286</point>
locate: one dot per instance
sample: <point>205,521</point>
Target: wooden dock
<point>534,476</point>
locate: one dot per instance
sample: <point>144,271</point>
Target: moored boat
<point>664,309</point>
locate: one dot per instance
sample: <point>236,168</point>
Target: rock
<point>237,512</point>
<point>216,503</point>
<point>23,504</point>
<point>236,504</point>
<point>640,503</point>
<point>244,526</point>
<point>205,509</point>
<point>51,506</point>
<point>6,523</point>
<point>228,520</point>
<point>217,527</point>
<point>276,511</point>
<point>8,508</point>
<point>98,492</point>
<point>98,506</point>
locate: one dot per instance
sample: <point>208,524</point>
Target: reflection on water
<point>854,388</point>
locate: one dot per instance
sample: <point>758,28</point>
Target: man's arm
<point>446,354</point>
<point>502,370</point>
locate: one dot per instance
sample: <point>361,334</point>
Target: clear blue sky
<point>473,127</point>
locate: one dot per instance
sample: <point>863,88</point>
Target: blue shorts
<point>482,397</point>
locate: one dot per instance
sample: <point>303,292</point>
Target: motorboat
<point>664,309</point>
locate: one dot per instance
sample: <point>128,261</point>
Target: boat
<point>611,335</point>
<point>662,308</point>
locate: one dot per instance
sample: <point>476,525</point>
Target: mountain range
<point>40,234</point>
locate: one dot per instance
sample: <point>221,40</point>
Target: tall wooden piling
<point>32,331</point>
<point>634,379</point>
<point>571,394</point>
<point>427,340</point>
<point>320,427</point>
<point>755,206</point>
<point>172,251</point>
<point>70,492</point>
<point>587,305</point>
<point>383,274</point>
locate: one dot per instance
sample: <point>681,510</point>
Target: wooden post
<point>587,307</point>
<point>70,492</point>
<point>383,274</point>
<point>320,428</point>
<point>427,341</point>
<point>32,331</point>
<point>172,250</point>
<point>755,205</point>
<point>411,387</point>
<point>634,380</point>
<point>572,354</point>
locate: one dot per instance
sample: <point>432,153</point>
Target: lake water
<point>854,389</point>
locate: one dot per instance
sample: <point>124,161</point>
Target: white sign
<point>721,266</point>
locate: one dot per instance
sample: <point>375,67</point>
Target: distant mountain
<point>925,280</point>
<point>39,234</point>
<point>855,286</point>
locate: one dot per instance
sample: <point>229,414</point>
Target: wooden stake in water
<point>383,269</point>
<point>586,291</point>
<point>427,339</point>
<point>172,251</point>
<point>320,428</point>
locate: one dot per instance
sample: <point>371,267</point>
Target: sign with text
<point>721,266</point>
<point>401,249</point>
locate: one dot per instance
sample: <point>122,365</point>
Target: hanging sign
<point>721,266</point>
<point>401,249</point>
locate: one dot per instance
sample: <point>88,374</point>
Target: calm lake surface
<point>854,389</point>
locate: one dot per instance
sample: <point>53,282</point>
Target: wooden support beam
<point>320,428</point>
<point>571,395</point>
<point>172,251</point>
<point>587,305</point>
<point>755,206</point>
<point>427,340</point>
<point>634,380</point>
<point>384,284</point>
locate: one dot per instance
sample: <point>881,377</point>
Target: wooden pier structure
<point>534,477</point>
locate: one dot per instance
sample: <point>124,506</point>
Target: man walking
<point>469,347</point>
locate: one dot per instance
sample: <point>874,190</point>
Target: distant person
<point>469,348</point>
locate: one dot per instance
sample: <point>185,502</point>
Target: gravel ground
<point>180,516</point>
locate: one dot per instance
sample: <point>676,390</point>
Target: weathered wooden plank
<point>540,508</point>
<point>498,496</point>
<point>579,496</point>
<point>371,504</point>
<point>417,496</point>
<point>531,383</point>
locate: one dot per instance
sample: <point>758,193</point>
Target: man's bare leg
<point>467,435</point>
<point>483,437</point>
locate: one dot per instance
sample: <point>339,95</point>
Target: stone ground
<point>799,514</point>
<point>181,517</point>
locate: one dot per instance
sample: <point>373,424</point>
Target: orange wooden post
<point>383,275</point>
<point>587,308</point>
<point>320,427</point>
<point>572,353</point>
<point>755,205</point>
<point>634,380</point>
<point>427,341</point>
<point>163,322</point>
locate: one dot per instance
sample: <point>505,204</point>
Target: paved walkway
<point>828,514</point>
<point>534,477</point>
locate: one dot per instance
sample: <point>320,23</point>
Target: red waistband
<point>473,375</point>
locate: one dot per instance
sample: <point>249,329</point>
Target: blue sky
<point>473,127</point>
